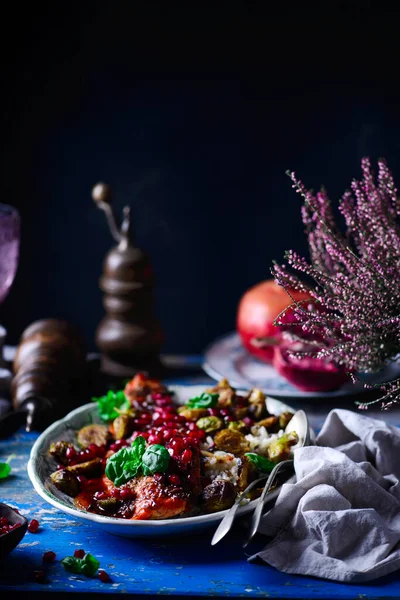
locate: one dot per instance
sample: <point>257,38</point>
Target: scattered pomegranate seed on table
<point>33,526</point>
<point>49,556</point>
<point>104,576</point>
<point>40,576</point>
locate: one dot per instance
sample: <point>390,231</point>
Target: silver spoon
<point>298,423</point>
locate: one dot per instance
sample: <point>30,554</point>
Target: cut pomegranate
<point>308,374</point>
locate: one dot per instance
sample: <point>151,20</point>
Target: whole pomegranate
<point>257,310</point>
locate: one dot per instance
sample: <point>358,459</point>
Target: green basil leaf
<point>108,404</point>
<point>155,459</point>
<point>72,564</point>
<point>89,565</point>
<point>261,463</point>
<point>205,400</point>
<point>139,445</point>
<point>124,465</point>
<point>5,470</point>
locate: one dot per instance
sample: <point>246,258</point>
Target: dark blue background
<point>192,115</point>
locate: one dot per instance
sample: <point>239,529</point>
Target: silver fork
<point>256,516</point>
<point>228,519</point>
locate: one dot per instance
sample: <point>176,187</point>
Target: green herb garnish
<point>155,460</point>
<point>205,400</point>
<point>5,470</point>
<point>129,462</point>
<point>112,404</point>
<point>87,565</point>
<point>261,463</point>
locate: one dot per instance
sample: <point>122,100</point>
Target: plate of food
<point>227,357</point>
<point>150,460</point>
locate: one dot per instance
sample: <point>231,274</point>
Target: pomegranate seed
<point>33,526</point>
<point>249,422</point>
<point>215,412</point>
<point>186,456</point>
<point>104,462</point>
<point>49,556</point>
<point>191,426</point>
<point>104,576</point>
<point>15,510</point>
<point>3,522</point>
<point>115,493</point>
<point>82,480</point>
<point>174,479</point>
<point>224,412</point>
<point>79,553</point>
<point>177,445</point>
<point>100,496</point>
<point>155,438</point>
<point>101,450</point>
<point>160,477</point>
<point>125,494</point>
<point>39,576</point>
<point>70,453</point>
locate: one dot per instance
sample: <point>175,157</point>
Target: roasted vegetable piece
<point>256,396</point>
<point>109,505</point>
<point>238,426</point>
<point>123,426</point>
<point>271,424</point>
<point>210,424</point>
<point>58,450</point>
<point>246,473</point>
<point>221,385</point>
<point>226,397</point>
<point>192,414</point>
<point>231,441</point>
<point>93,434</point>
<point>66,482</point>
<point>258,410</point>
<point>280,449</point>
<point>89,469</point>
<point>219,495</point>
<point>284,419</point>
<point>241,412</point>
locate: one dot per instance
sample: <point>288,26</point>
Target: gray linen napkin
<point>341,519</point>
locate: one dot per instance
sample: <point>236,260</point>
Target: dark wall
<point>192,115</point>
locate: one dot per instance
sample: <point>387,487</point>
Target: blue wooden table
<point>182,567</point>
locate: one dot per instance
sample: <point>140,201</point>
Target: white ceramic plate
<point>41,465</point>
<point>226,357</point>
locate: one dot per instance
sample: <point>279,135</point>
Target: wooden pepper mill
<point>49,373</point>
<point>129,336</point>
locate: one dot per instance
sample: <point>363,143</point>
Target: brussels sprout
<point>241,412</point>
<point>219,495</point>
<point>258,410</point>
<point>284,419</point>
<point>89,469</point>
<point>271,424</point>
<point>210,424</point>
<point>93,434</point>
<point>256,396</point>
<point>246,473</point>
<point>279,449</point>
<point>231,441</point>
<point>66,482</point>
<point>109,505</point>
<point>123,426</point>
<point>226,397</point>
<point>192,414</point>
<point>58,450</point>
<point>238,426</point>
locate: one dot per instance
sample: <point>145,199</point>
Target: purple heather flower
<point>354,276</point>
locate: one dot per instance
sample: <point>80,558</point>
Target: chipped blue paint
<point>176,567</point>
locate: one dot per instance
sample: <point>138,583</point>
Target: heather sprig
<point>354,315</point>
